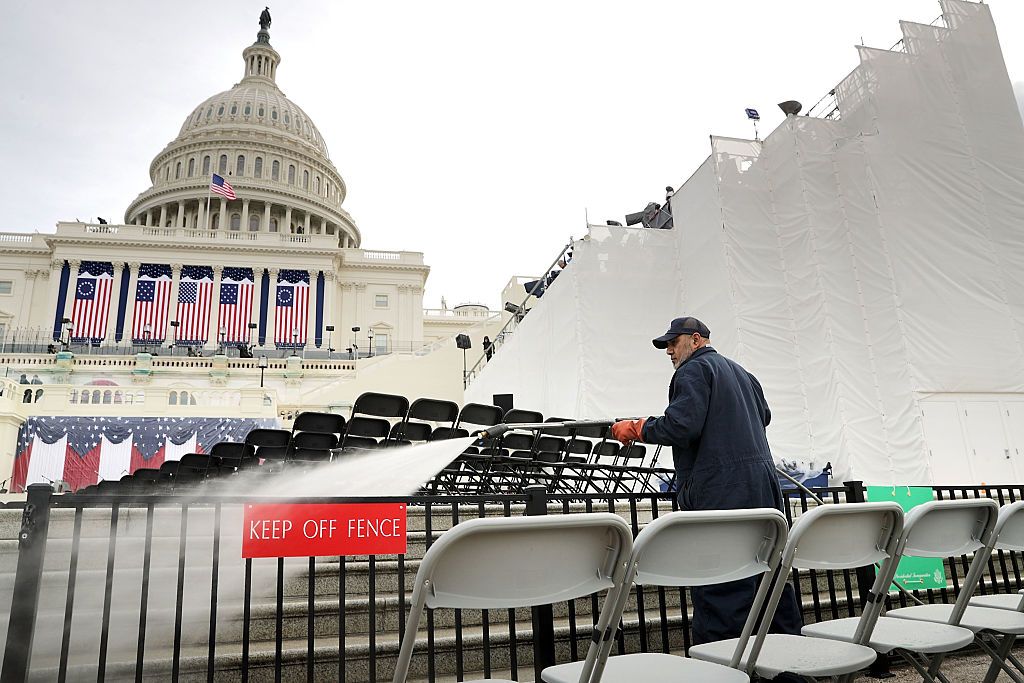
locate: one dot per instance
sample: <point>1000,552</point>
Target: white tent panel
<point>860,267</point>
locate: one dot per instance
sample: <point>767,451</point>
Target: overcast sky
<point>480,133</point>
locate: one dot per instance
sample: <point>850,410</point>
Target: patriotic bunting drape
<point>92,301</point>
<point>152,296</point>
<point>83,450</point>
<point>234,314</point>
<point>195,291</point>
<point>292,308</point>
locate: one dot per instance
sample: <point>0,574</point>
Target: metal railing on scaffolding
<point>519,312</point>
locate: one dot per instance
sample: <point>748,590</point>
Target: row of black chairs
<point>565,459</point>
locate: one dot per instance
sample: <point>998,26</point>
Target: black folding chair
<point>314,437</point>
<point>368,425</point>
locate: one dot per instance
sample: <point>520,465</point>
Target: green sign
<point>913,573</point>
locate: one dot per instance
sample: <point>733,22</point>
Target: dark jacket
<point>715,423</point>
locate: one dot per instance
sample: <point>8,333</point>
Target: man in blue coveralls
<point>715,422</point>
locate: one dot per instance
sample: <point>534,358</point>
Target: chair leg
<point>912,658</point>
<point>998,659</point>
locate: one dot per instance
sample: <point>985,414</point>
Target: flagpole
<point>208,193</point>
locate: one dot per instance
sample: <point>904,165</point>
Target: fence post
<point>543,615</point>
<point>865,579</point>
<point>35,522</point>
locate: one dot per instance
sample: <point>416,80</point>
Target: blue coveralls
<point>715,422</point>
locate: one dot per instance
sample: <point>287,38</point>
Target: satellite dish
<point>790,107</point>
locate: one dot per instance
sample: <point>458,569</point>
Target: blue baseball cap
<point>679,326</point>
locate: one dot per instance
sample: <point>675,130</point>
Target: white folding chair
<point>939,528</point>
<point>690,549</point>
<point>829,537</point>
<point>1000,626</point>
<point>518,562</point>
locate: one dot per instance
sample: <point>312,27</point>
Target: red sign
<point>315,529</point>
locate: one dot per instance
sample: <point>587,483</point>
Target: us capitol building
<point>200,303</point>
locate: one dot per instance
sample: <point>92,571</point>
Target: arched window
<point>85,396</point>
<point>234,108</point>
<point>259,111</point>
<point>240,165</point>
<point>305,180</point>
<point>275,170</point>
<point>108,396</point>
<point>209,112</point>
<point>316,185</point>
<point>223,165</point>
<point>291,174</point>
<point>206,165</point>
<point>273,114</point>
<point>177,170</point>
<point>273,225</point>
<point>236,221</point>
<point>257,169</point>
<point>247,110</point>
<point>191,167</point>
<point>172,398</point>
<point>167,172</point>
<point>220,110</point>
<point>254,223</point>
<point>95,395</point>
<point>118,397</point>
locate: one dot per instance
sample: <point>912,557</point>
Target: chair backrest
<point>410,431</point>
<point>507,563</point>
<point>520,416</point>
<point>558,431</point>
<point>478,414</point>
<point>517,441</point>
<point>1010,527</point>
<point>944,528</point>
<point>434,410</point>
<point>270,438</point>
<point>549,444</point>
<point>321,423</point>
<point>840,536</point>
<point>703,548</point>
<point>381,405</point>
<point>231,453</point>
<point>579,446</point>
<point>441,433</point>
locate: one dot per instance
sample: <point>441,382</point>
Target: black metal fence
<point>147,587</point>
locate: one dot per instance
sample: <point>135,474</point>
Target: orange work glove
<point>629,430</point>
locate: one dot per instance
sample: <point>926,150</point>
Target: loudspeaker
<point>462,341</point>
<point>503,401</point>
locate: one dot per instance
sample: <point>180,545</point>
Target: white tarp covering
<point>856,266</point>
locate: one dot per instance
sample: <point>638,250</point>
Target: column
<point>266,218</point>
<point>34,312</point>
<point>69,300</point>
<point>149,217</point>
<point>201,215</point>
<point>346,317</point>
<point>115,296</point>
<point>213,332</point>
<point>25,308</point>
<point>224,224</point>
<point>287,220</point>
<point>271,305</point>
<point>254,314</point>
<point>311,309</point>
<point>163,215</point>
<point>180,221</point>
<point>129,310</point>
<point>330,316</point>
<point>306,222</point>
<point>245,216</point>
<point>172,312</point>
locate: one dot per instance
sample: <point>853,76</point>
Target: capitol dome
<point>266,147</point>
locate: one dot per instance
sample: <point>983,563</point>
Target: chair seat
<point>1011,601</point>
<point>793,654</point>
<point>649,668</point>
<point>975,618</point>
<point>890,634</point>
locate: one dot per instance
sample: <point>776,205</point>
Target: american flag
<point>83,450</point>
<point>152,296</point>
<point>92,301</point>
<point>236,287</point>
<point>194,294</point>
<point>292,307</point>
<point>222,187</point>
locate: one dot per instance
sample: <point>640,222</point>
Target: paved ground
<point>966,668</point>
